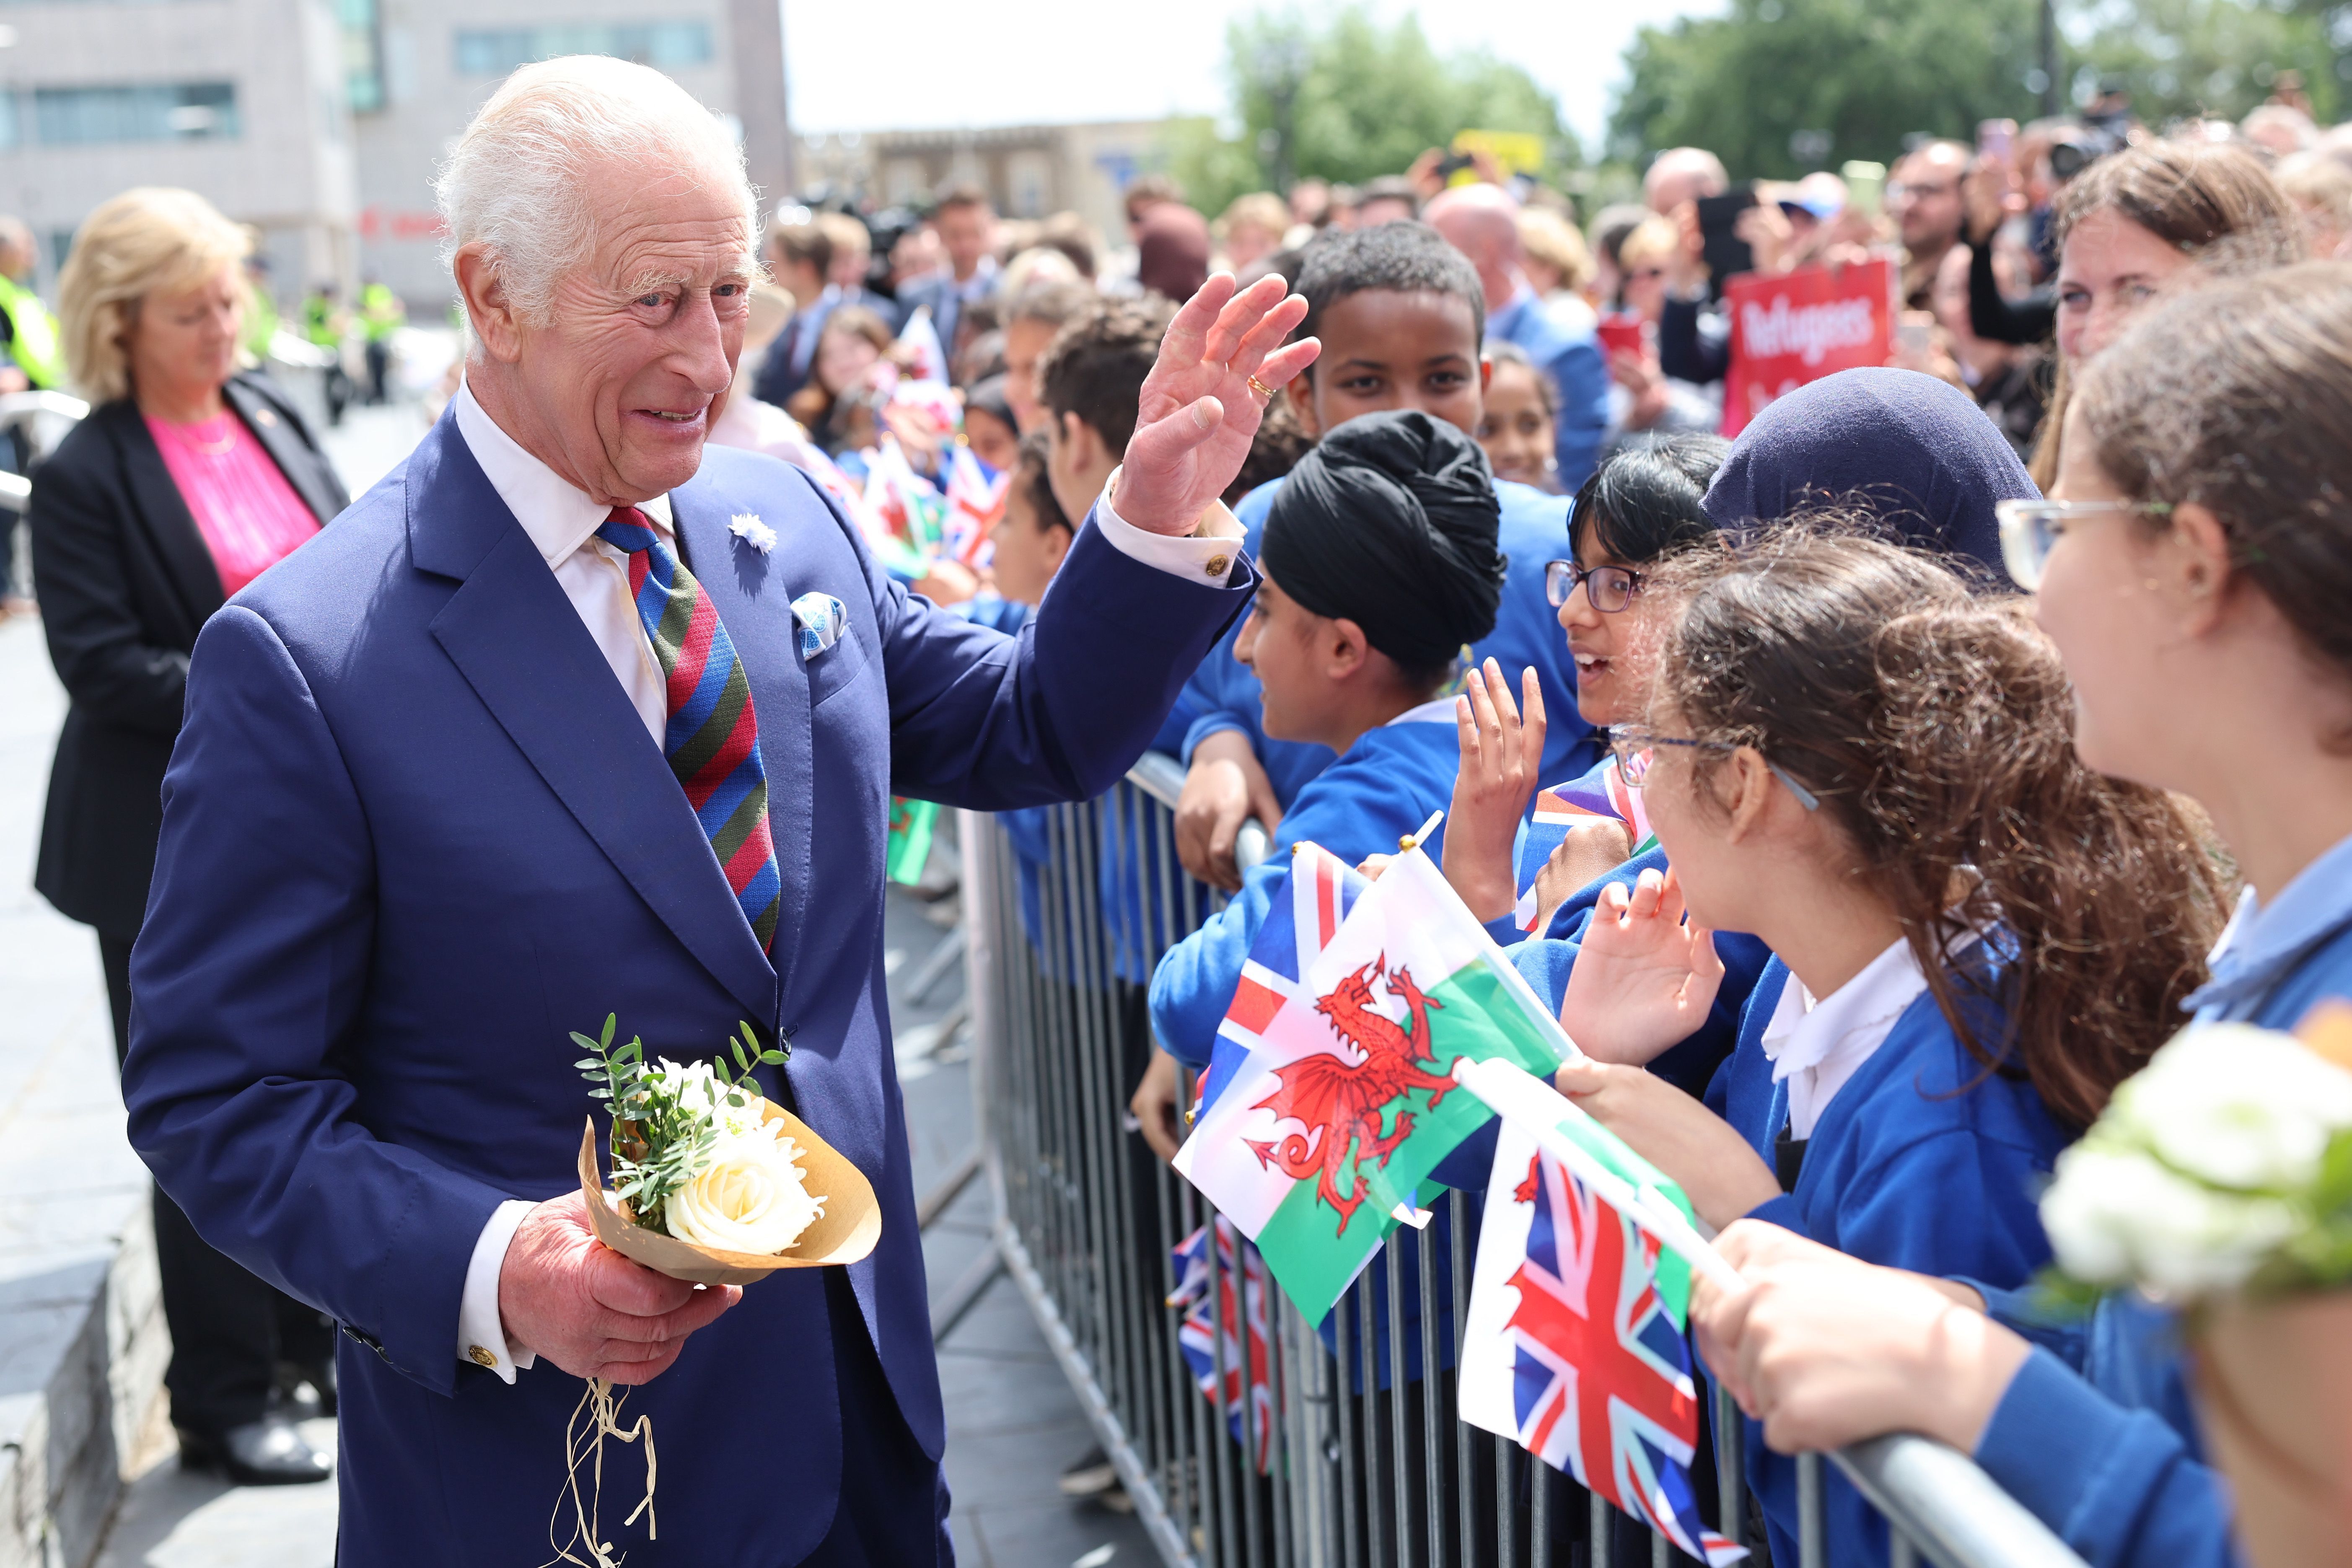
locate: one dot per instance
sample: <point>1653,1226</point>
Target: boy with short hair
<point>1089,383</point>
<point>1401,315</point>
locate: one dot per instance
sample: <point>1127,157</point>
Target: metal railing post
<point>1052,1032</point>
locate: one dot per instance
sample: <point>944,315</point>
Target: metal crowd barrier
<point>41,418</point>
<point>1351,1474</point>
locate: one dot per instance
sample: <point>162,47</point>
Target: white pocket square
<point>822,619</point>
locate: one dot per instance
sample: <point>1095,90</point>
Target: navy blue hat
<point>1913,450</point>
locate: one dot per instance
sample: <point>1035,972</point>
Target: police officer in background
<point>381,315</point>
<point>29,361</point>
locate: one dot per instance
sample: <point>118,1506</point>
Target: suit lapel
<point>515,636</point>
<point>750,593</point>
<point>839,1093</point>
<point>294,459</point>
<point>164,512</point>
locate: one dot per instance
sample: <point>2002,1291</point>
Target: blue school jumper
<point>2095,1433</point>
<point>1922,1161</point>
<point>1382,788</point>
<point>1223,693</point>
<point>1546,962</point>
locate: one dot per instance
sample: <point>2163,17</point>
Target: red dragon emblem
<point>1343,1103</point>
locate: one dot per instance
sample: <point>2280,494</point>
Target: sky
<point>853,65</point>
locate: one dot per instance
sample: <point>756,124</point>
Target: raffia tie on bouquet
<point>602,1413</point>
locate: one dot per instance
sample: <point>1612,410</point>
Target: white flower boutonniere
<point>747,527</point>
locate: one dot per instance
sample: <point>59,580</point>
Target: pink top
<point>250,517</point>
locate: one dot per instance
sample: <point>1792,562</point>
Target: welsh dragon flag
<point>1322,1116</point>
<point>904,501</point>
<point>1574,1345</point>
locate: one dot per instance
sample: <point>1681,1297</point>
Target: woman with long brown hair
<point>1975,937</point>
<point>2141,224</point>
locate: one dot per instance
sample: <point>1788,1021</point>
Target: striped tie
<point>713,739</point>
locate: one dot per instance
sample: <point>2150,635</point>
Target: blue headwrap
<point>1916,450</point>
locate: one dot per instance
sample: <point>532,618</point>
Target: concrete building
<point>320,121</point>
<point>419,68</point>
<point>1029,171</point>
<point>239,99</point>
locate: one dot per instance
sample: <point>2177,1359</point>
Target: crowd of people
<point>1918,857</point>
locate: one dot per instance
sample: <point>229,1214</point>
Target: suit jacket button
<point>1217,565</point>
<point>482,1357</point>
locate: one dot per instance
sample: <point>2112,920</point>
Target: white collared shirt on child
<point>1815,1046</point>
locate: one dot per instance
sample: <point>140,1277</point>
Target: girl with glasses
<point>1974,936</point>
<point>2195,558</point>
<point>1639,507</point>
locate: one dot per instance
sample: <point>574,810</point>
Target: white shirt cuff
<point>481,1336</point>
<point>1200,558</point>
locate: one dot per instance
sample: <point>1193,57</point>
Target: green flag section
<point>1321,1141</point>
<point>911,823</point>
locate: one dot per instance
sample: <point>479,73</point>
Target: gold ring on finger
<point>1260,388</point>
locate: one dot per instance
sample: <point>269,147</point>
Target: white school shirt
<point>562,521</point>
<point>1816,1046</point>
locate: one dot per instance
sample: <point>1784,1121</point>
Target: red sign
<point>1802,326</point>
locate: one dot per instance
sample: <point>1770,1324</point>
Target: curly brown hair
<point>1937,728</point>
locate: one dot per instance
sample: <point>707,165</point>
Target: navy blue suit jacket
<point>414,832</point>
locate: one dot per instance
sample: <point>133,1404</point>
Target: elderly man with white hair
<point>572,715</point>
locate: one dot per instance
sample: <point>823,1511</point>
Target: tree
<point>1347,100</point>
<point>2178,57</point>
<point>1781,86</point>
<point>1778,87</point>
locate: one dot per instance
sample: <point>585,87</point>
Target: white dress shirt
<point>561,522</point>
<point>1817,1046</point>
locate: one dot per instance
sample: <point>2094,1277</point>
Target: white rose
<point>752,1197</point>
<point>2115,1216</point>
<point>2237,1106</point>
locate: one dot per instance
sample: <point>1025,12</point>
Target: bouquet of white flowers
<point>2220,1179</point>
<point>2224,1165</point>
<point>712,1182</point>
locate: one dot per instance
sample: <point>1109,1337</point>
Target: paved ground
<point>1012,1422</point>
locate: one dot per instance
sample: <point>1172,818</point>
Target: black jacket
<point>126,582</point>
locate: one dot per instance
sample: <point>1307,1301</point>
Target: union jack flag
<point>1248,1361</point>
<point>1305,915</point>
<point>1598,795</point>
<point>1573,1352</point>
<point>975,501</point>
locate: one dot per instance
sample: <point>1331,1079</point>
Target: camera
<point>2106,128</point>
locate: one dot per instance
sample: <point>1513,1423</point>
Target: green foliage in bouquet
<point>2318,1253</point>
<point>659,1141</point>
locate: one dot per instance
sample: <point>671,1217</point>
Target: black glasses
<point>1609,588</point>
<point>1635,749</point>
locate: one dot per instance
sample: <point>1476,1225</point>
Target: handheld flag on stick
<point>1574,1343</point>
<point>1316,1137</point>
<point>975,502</point>
<point>910,847</point>
<point>925,359</point>
<point>1241,1314</point>
<point>1601,795</point>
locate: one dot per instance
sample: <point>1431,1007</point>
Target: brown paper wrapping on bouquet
<point>2274,1386</point>
<point>845,1232</point>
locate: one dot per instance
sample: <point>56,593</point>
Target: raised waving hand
<point>1646,976</point>
<point>1222,362</point>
